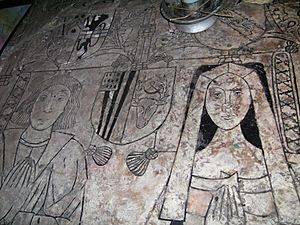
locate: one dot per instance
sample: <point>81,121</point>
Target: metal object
<point>191,16</point>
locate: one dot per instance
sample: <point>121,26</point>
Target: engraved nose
<point>227,104</point>
<point>227,99</point>
<point>226,108</point>
<point>48,108</point>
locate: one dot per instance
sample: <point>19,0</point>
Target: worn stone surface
<point>259,1</point>
<point>109,115</point>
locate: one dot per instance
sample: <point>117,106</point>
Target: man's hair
<point>67,119</point>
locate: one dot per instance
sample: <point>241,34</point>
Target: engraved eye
<point>43,98</point>
<point>237,92</point>
<point>217,95</point>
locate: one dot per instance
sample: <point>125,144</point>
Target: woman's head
<point>54,103</point>
<point>229,103</point>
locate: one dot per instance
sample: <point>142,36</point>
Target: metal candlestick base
<point>191,20</point>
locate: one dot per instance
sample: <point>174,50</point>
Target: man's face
<point>48,106</point>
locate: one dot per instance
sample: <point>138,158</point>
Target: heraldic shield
<point>133,104</point>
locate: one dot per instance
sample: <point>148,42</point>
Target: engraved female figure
<point>43,170</point>
<point>233,174</point>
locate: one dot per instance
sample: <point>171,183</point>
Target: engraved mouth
<point>40,121</point>
<point>227,117</point>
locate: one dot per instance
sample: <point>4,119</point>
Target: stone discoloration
<point>112,116</point>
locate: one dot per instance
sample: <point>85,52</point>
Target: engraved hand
<point>236,213</point>
<point>225,207</point>
<point>16,188</point>
<point>215,214</point>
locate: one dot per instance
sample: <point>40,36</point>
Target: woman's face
<point>227,100</point>
<point>48,106</point>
